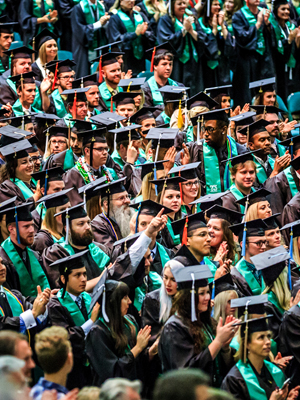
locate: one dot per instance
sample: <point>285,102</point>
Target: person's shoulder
<point>152,296</point>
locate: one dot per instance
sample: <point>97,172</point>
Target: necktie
<point>4,304</point>
<point>94,8</point>
<point>81,305</point>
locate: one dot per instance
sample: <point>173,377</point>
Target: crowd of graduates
<point>149,219</point>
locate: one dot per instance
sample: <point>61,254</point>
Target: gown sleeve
<point>166,33</point>
<point>150,314</point>
<point>116,31</point>
<point>234,384</point>
<point>27,21</point>
<point>245,35</point>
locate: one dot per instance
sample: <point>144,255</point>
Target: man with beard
<point>91,165</point>
<point>95,103</point>
<point>78,237</point>
<point>110,76</point>
<point>113,223</point>
<point>24,268</point>
<point>259,139</point>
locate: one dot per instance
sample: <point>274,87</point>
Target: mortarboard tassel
<point>246,332</point>
<point>180,118</point>
<point>184,234</point>
<point>108,201</point>
<point>155,178</point>
<point>292,148</point>
<point>23,122</point>
<point>84,201</point>
<point>170,7</point>
<point>115,141</point>
<point>128,87</point>
<point>193,300</point>
<point>244,240</point>
<point>208,9</point>
<point>74,105</point>
<point>47,140</point>
<point>91,151</point>
<point>104,315</point>
<point>41,214</point>
<point>100,78</point>
<point>55,77</point>
<point>81,84</point>
<point>152,60</point>
<point>67,226</point>
<point>291,259</point>
<point>17,225</point>
<point>111,105</point>
<point>46,182</point>
<point>137,219</point>
<point>185,111</point>
<point>65,284</point>
<point>213,290</point>
<point>33,48</point>
<point>179,174</point>
<point>198,130</point>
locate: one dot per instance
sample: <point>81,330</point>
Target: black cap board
<point>255,227</point>
<point>272,222</point>
<point>51,174</point>
<point>209,200</point>
<point>220,212</point>
<point>223,284</point>
<point>149,207</point>
<point>85,81</point>
<point>168,183</point>
<point>149,167</point>
<point>131,84</point>
<point>56,199</point>
<point>44,36</point>
<point>187,171</point>
<point>192,222</point>
<point>216,91</point>
<point>264,85</point>
<point>255,304</point>
<point>254,197</point>
<point>78,93</point>
<point>16,150</point>
<point>20,52</point>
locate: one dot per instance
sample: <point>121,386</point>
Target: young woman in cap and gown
<point>197,340</point>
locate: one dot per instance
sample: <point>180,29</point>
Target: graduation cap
<point>187,224</point>
<point>123,98</point>
<point>67,264</point>
<point>295,163</point>
<point>111,188</point>
<point>58,67</point>
<point>112,48</point>
<point>148,207</point>
<point>264,85</point>
<point>245,229</point>
<point>168,183</point>
<point>126,133</point>
<point>254,197</point>
<point>46,119</point>
<point>147,168</point>
<point>128,241</point>
<point>92,136</point>
<point>272,222</point>
<point>18,213</point>
<point>44,36</point>
<point>22,120</point>
<point>254,128</point>
<point>48,175</point>
<point>85,81</point>
<point>22,79</point>
<point>5,26</point>
<point>10,134</point>
<point>56,199</point>
<point>159,50</point>
<point>105,60</point>
<point>223,284</point>
<point>75,95</point>
<point>192,277</point>
<point>161,138</point>
<point>19,52</point>
<point>215,115</point>
<point>241,158</point>
<point>271,263</point>
<point>209,200</point>
<point>143,114</point>
<point>88,190</point>
<point>131,84</point>
<point>171,93</point>
<point>261,109</point>
<point>250,304</point>
<point>69,214</point>
<point>201,99</point>
<point>81,125</point>
<point>16,150</point>
<point>220,212</point>
<point>245,118</point>
<point>109,119</point>
<point>294,232</point>
<point>216,91</point>
<point>291,142</point>
<point>187,171</point>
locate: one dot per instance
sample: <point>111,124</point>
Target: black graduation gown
<point>240,283</point>
<point>187,72</point>
<point>105,360</point>
<point>55,252</point>
<point>82,38</point>
<point>196,155</point>
<point>28,23</point>
<point>289,342</point>
<point>250,65</point>
<point>291,213</point>
<point>66,7</point>
<point>281,192</point>
<point>150,17</point>
<point>8,189</point>
<point>13,323</point>
<point>235,384</point>
<point>59,316</point>
<point>150,314</point>
<point>116,31</point>
<point>57,160</point>
<point>42,240</point>
<point>221,50</point>
<point>37,71</point>
<point>275,321</point>
<point>103,233</point>
<point>229,201</point>
<point>157,265</point>
<point>177,350</point>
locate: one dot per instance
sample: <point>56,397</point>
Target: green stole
<point>151,11</point>
<point>28,285</point>
<point>279,35</point>
<point>238,195</point>
<point>90,19</point>
<point>2,69</point>
<point>260,44</point>
<point>186,52</point>
<point>156,95</point>
<point>175,238</point>
<point>14,304</point>
<point>165,117</point>
<point>106,95</point>
<point>253,386</point>
<point>184,210</point>
<point>213,268</point>
<point>190,134</point>
<point>164,256</point>
<point>100,258</point>
<point>37,12</point>
<point>290,179</point>
<point>18,109</point>
<point>243,269</point>
<point>211,166</point>
<point>281,149</point>
<point>260,171</point>
<point>37,104</point>
<point>274,300</point>
<point>26,192</point>
<point>41,209</point>
<point>140,292</point>
<point>69,160</point>
<point>212,64</point>
<point>73,308</point>
<point>118,160</point>
<point>59,104</point>
<point>137,46</point>
<point>67,118</point>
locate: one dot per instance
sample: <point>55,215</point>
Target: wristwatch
<point>184,31</point>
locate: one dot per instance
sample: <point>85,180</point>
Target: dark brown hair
<point>8,170</point>
<point>228,238</point>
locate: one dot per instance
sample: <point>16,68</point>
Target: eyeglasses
<point>260,243</point>
<point>59,142</point>
<point>36,158</point>
<point>67,77</point>
<point>101,149</point>
<point>209,129</point>
<point>190,184</point>
<point>122,198</point>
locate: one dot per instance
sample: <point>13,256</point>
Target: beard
<point>27,241</point>
<point>79,239</point>
<point>122,216</point>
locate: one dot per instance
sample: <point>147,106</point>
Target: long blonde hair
<point>49,223</point>
<point>296,253</point>
<point>48,151</point>
<point>252,212</point>
<point>160,7</point>
<point>281,290</point>
<point>43,55</point>
<point>221,301</point>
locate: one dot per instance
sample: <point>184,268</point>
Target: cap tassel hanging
<point>180,118</point>
<point>104,315</point>
<point>291,259</point>
<point>128,87</point>
<point>33,48</point>
<point>84,201</point>
<point>180,187</point>
<point>193,300</point>
<point>245,229</point>
<point>155,178</point>
<point>246,333</point>
<point>185,111</point>
<point>137,219</point>
<point>100,78</point>
<point>23,122</point>
<point>74,105</point>
<point>111,105</point>
<point>47,141</point>
<point>55,77</point>
<point>213,290</point>
<point>91,151</point>
<point>208,9</point>
<point>184,234</point>
<point>292,148</point>
<point>17,225</point>
<point>67,226</point>
<point>41,214</point>
<point>152,60</point>
<point>198,130</point>
<point>248,131</point>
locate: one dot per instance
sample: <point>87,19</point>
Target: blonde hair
<point>161,7</point>
<point>221,301</point>
<point>252,212</point>
<point>89,393</point>
<point>42,53</point>
<point>174,119</point>
<point>48,151</point>
<point>239,355</point>
<point>197,110</point>
<point>281,290</point>
<point>49,223</point>
<point>296,253</point>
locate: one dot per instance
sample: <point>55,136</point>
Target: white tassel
<point>46,145</point>
<point>198,130</point>
<point>193,300</point>
<point>104,315</point>
<point>84,201</point>
<point>291,74</point>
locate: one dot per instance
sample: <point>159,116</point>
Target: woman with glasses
<point>58,141</point>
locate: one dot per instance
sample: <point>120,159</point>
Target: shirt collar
<point>73,297</point>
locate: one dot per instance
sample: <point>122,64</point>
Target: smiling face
<point>215,231</point>
<point>283,12</point>
<point>203,299</point>
<point>24,169</point>
<point>51,49</point>
<point>190,189</point>
<point>179,8</point>
<point>244,177</point>
<point>269,98</point>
